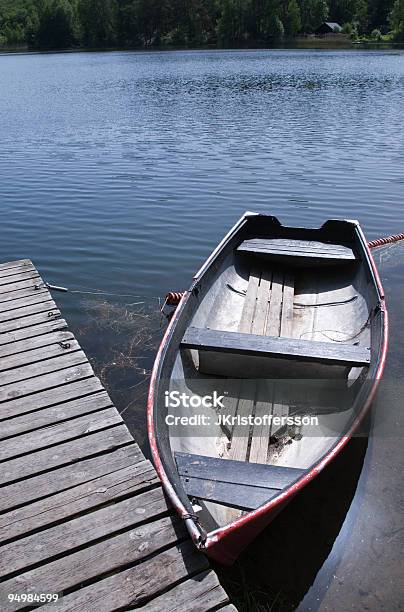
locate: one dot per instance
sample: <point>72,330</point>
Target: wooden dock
<point>82,512</point>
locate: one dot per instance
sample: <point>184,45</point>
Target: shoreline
<point>291,44</point>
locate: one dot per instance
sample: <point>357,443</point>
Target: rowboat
<point>267,368</point>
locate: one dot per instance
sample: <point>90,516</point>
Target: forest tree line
<point>61,24</point>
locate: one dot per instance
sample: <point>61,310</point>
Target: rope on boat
<point>373,244</point>
<point>172,298</point>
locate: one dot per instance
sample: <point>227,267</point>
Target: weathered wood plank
<point>67,452</point>
<point>28,321</point>
<point>287,305</point>
<point>60,432</point>
<point>261,310</point>
<point>17,313</point>
<point>198,594</point>
<point>21,276</point>
<point>54,414</point>
<point>235,472</point>
<point>45,381</point>
<point>236,496</point>
<point>97,492</point>
<point>275,305</point>
<point>7,290</point>
<point>35,342</point>
<point>250,301</point>
<point>139,584</point>
<point>239,441</point>
<point>261,432</point>
<point>37,329</point>
<point>114,458</point>
<point>11,270</point>
<point>6,299</point>
<point>84,529</point>
<point>297,248</point>
<point>44,399</point>
<point>34,298</point>
<point>41,353</point>
<point>67,358</point>
<point>19,263</point>
<point>289,348</point>
<point>98,559</point>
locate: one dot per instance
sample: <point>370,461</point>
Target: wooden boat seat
<point>309,250</point>
<point>236,484</point>
<point>212,340</point>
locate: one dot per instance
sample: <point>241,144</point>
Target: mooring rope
<point>373,244</point>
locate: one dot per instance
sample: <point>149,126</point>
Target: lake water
<point>119,172</point>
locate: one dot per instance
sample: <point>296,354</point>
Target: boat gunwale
<point>207,542</point>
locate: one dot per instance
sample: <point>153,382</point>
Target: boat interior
<point>281,327</point>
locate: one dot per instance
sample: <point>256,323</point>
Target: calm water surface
<point>120,172</point>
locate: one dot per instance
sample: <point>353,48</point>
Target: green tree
<point>19,21</point>
<point>231,25</point>
<point>98,22</point>
<point>56,25</point>
<point>291,19</point>
<point>272,26</point>
<point>397,19</point>
<point>313,13</point>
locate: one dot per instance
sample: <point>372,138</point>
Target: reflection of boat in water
<point>284,323</point>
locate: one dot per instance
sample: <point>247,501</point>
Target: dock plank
<point>45,381</point>
<point>199,594</point>
<point>98,559</point>
<point>34,298</point>
<point>82,511</point>
<point>28,283</point>
<point>60,432</point>
<point>19,263</point>
<point>84,529</point>
<point>99,491</point>
<point>27,358</point>
<point>18,277</point>
<point>39,400</point>
<point>29,344</point>
<point>27,321</point>
<point>68,452</point>
<point>135,585</point>
<point>38,328</point>
<point>111,459</point>
<point>18,313</point>
<point>66,359</point>
<point>53,415</point>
